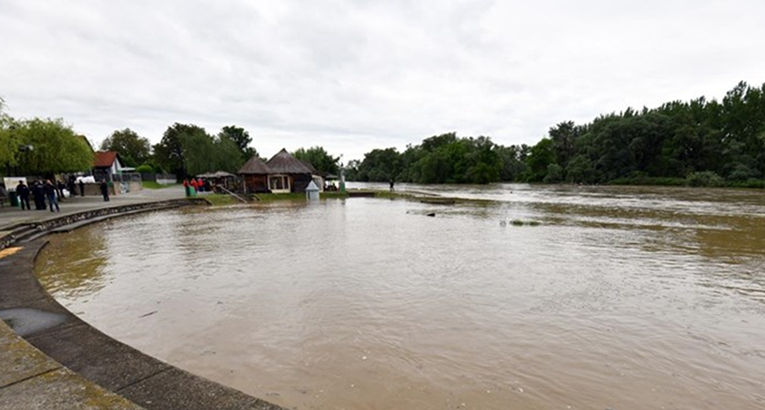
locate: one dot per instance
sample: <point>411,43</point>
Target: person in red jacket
<point>194,184</point>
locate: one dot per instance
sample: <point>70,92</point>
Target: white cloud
<point>357,75</point>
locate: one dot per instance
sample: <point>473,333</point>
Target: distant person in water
<point>104,190</point>
<point>50,194</point>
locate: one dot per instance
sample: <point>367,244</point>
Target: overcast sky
<point>356,75</point>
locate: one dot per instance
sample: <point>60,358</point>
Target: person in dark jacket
<point>60,187</point>
<point>50,193</point>
<point>38,193</point>
<point>104,190</point>
<point>23,192</point>
<point>70,186</point>
<point>82,188</point>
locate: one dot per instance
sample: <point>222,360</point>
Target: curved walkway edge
<point>50,359</point>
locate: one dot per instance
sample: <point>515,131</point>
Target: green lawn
<point>221,199</point>
<point>155,185</point>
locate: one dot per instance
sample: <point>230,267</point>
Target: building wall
<point>300,182</point>
<point>255,183</point>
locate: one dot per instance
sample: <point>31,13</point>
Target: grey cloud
<point>357,75</point>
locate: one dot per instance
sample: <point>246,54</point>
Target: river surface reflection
<point>621,298</point>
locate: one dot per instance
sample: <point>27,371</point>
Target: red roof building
<point>106,164</point>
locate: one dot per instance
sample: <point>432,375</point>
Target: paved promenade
<point>10,216</point>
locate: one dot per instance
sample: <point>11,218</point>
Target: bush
<point>662,181</point>
<point>145,169</point>
<point>704,179</point>
<point>749,183</point>
<point>554,174</point>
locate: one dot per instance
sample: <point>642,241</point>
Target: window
<point>278,183</point>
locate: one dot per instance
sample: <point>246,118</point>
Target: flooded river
<point>620,298</point>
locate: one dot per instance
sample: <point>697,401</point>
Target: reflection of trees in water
<point>72,265</point>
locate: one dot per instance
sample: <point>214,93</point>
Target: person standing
<point>50,193</point>
<point>82,188</point>
<point>60,187</point>
<point>39,196</point>
<point>70,186</point>
<point>104,190</point>
<point>23,192</point>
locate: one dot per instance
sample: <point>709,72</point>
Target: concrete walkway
<point>11,216</point>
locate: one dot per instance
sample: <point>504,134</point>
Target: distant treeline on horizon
<point>700,142</point>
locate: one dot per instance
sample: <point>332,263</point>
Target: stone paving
<point>11,216</point>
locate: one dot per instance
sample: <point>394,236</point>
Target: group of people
<point>198,184</point>
<point>48,194</point>
<point>42,193</point>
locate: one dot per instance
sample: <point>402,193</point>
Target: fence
<point>164,179</point>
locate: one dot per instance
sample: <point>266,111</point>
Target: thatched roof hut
<point>255,166</point>
<point>284,163</point>
<point>282,173</point>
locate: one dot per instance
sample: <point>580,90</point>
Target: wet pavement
<point>11,216</point>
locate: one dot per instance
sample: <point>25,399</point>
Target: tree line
<point>41,146</point>
<point>188,150</point>
<point>698,142</point>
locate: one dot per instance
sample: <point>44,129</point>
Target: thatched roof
<point>284,163</point>
<point>216,174</point>
<point>255,167</point>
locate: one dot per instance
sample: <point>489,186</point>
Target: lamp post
<point>342,175</point>
<point>24,148</point>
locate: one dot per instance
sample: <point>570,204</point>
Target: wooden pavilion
<point>283,173</point>
<point>254,175</point>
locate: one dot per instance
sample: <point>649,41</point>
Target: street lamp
<point>25,148</point>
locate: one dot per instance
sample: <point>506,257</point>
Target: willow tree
<point>53,147</point>
<point>8,141</point>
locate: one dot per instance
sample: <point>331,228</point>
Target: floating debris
<point>148,314</point>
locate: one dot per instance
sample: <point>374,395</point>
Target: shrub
<point>145,169</point>
<point>704,179</point>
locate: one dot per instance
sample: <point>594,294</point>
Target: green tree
<point>227,155</point>
<point>170,154</point>
<point>564,136</point>
<point>380,165</point>
<point>513,166</point>
<point>8,139</point>
<point>55,148</point>
<point>319,158</point>
<point>133,148</point>
<point>540,157</point>
<point>199,155</point>
<point>241,139</point>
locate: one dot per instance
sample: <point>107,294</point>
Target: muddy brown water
<point>621,298</point>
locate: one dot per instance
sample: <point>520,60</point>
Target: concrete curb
<point>55,360</point>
